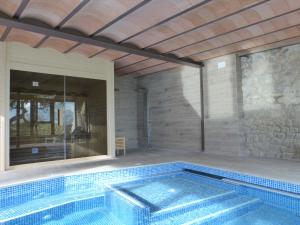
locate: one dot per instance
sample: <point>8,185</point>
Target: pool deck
<point>285,170</point>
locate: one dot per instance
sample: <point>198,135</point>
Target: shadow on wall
<point>222,100</point>
<point>174,110</point>
<point>271,96</point>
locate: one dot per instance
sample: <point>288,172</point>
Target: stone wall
<point>126,110</point>
<point>271,97</point>
<point>174,106</point>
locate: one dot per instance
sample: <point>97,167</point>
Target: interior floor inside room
<point>277,169</point>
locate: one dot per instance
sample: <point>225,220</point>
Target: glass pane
<point>36,117</point>
<point>85,117</point>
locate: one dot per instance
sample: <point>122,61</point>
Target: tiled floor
<point>287,170</point>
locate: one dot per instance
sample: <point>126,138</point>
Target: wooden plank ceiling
<point>194,29</point>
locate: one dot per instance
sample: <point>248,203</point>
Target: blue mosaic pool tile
<point>280,185</point>
<point>70,193</point>
<point>128,212</point>
<point>55,213</point>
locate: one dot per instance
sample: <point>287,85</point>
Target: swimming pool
<point>161,194</point>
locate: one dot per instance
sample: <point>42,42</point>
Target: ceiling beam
<point>97,41</point>
<point>138,70</point>
<point>17,15</point>
<point>165,21</point>
<point>138,6</point>
<point>168,19</point>
<point>66,19</point>
<point>192,29</point>
<point>234,30</point>
<point>241,52</point>
<point>208,23</point>
<point>243,40</point>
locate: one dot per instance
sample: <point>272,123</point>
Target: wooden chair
<point>120,145</point>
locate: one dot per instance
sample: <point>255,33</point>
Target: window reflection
<point>55,117</point>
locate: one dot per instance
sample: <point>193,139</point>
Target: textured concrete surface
<point>287,170</point>
<point>126,110</point>
<point>174,109</point>
<point>222,105</point>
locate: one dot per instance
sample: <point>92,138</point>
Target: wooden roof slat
<point>126,13</point>
<point>99,13</point>
<point>86,50</point>
<point>18,11</point>
<point>247,5</point>
<point>248,39</point>
<point>59,44</point>
<point>156,13</point>
<point>247,33</point>
<point>50,12</point>
<point>154,69</point>
<point>10,7</point>
<point>5,34</point>
<point>125,61</point>
<point>142,69</point>
<point>275,19</point>
<point>2,30</point>
<point>253,43</point>
<point>139,66</point>
<point>110,54</point>
<point>206,31</point>
<point>62,22</point>
<point>209,33</point>
<point>26,37</point>
<point>245,18</point>
<point>100,42</point>
<point>193,20</point>
<point>277,44</point>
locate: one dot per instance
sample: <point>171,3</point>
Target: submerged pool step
<point>55,213</point>
<point>236,204</point>
<point>182,208</point>
<point>265,215</point>
<point>41,204</point>
<point>226,214</point>
<point>127,209</point>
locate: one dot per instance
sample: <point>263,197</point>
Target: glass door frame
<point>16,56</point>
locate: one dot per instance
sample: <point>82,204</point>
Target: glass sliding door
<point>85,117</point>
<point>55,117</point>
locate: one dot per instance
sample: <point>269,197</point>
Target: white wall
<point>21,57</point>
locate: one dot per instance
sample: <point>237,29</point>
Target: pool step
<point>266,215</point>
<point>127,209</point>
<point>207,214</point>
<point>179,209</point>
<point>55,212</point>
<point>225,214</point>
<point>43,203</point>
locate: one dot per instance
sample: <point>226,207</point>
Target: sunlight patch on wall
<point>191,87</point>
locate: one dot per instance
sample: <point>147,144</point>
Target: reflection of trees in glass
<point>20,116</point>
<point>44,112</point>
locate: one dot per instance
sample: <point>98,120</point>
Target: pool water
<point>172,190</point>
<point>164,194</point>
